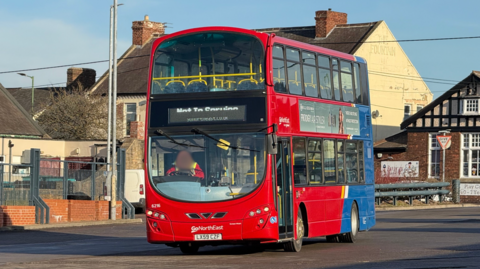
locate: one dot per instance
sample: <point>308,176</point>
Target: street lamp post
<point>33,88</point>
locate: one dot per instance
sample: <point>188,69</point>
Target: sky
<point>44,33</point>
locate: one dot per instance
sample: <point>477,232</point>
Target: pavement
<point>69,224</point>
<point>434,238</point>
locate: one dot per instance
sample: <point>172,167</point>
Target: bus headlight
<point>252,213</point>
<point>259,211</point>
<point>149,212</point>
<point>266,209</point>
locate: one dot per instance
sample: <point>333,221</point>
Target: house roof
<point>439,100</point>
<point>14,120</point>
<point>396,142</point>
<point>24,97</point>
<point>132,72</point>
<point>346,38</point>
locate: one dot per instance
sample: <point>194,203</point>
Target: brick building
<point>456,111</point>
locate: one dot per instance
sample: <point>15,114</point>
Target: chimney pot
<point>326,20</point>
<point>146,18</point>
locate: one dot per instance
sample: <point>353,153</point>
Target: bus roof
<point>263,37</point>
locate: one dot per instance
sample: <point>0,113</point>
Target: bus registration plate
<point>208,237</point>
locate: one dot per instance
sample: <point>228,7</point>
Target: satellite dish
<point>375,114</point>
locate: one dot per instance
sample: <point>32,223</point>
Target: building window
<point>131,115</point>
<point>470,106</point>
<point>407,111</point>
<point>434,157</point>
<point>419,107</point>
<point>471,155</point>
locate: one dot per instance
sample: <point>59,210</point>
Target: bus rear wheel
<point>296,244</point>
<point>352,235</point>
<point>189,248</point>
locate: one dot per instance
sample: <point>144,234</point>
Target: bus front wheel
<point>189,248</point>
<point>296,244</point>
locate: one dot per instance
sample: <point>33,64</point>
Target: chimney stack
<point>80,76</point>
<point>326,20</point>
<point>144,30</point>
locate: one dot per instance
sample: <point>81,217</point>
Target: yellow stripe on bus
<point>343,192</point>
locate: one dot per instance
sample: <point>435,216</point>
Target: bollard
<point>456,191</point>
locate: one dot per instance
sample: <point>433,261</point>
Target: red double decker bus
<point>253,138</point>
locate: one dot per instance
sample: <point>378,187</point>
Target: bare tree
<point>74,114</point>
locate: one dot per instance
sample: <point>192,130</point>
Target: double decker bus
<point>253,138</point>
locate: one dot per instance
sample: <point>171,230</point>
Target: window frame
<point>127,126</point>
<point>465,106</point>
<point>469,147</point>
<point>430,149</point>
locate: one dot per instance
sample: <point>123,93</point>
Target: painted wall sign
<point>207,114</point>
<point>326,118</point>
<point>400,169</point>
<point>470,189</point>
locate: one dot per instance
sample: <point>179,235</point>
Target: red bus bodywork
<point>324,206</point>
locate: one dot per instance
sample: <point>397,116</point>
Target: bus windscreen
<point>208,62</point>
<point>201,168</point>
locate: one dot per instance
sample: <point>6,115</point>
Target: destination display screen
<point>207,114</point>
<point>214,111</point>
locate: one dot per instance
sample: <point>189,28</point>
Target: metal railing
<point>410,190</point>
<point>59,180</point>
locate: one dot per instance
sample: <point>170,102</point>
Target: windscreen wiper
<point>198,131</point>
<point>162,133</point>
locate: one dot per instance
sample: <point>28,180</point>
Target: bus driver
<point>185,163</point>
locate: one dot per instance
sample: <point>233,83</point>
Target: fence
<point>54,179</point>
<point>410,190</point>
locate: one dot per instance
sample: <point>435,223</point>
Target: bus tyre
<point>296,245</point>
<point>333,238</point>
<point>351,236</point>
<point>188,248</point>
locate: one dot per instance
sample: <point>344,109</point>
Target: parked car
<point>135,188</point>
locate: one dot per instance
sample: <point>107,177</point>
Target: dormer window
<point>470,106</point>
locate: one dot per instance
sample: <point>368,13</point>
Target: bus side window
<point>299,161</point>
<point>329,161</point>
<point>358,88</point>
<point>336,80</point>
<point>279,76</point>
<point>361,158</point>
<point>324,77</point>
<point>347,83</point>
<point>341,161</point>
<point>293,71</point>
<point>315,162</point>
<point>351,160</point>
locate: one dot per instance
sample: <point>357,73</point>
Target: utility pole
<point>113,210</point>
<point>110,52</point>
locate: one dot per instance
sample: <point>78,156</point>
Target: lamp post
<point>33,88</point>
<point>113,110</point>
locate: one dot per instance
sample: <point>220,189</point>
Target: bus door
<point>284,189</point>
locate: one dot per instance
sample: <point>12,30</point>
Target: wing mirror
<point>272,143</point>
